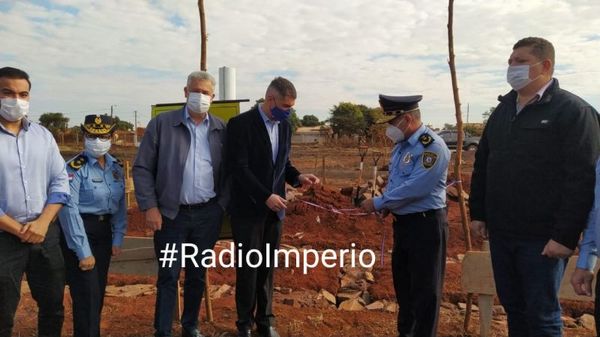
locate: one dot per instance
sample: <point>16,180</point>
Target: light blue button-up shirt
<point>198,182</point>
<point>32,172</point>
<point>417,180</point>
<point>273,131</point>
<point>98,191</point>
<point>588,248</point>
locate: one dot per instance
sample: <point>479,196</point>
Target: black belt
<point>197,206</point>
<point>424,214</point>
<point>99,218</point>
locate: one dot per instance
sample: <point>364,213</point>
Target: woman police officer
<point>93,222</point>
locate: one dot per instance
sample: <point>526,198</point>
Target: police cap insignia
<point>98,124</point>
<point>426,139</point>
<point>429,159</point>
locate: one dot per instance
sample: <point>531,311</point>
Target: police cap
<point>98,124</point>
<point>394,106</point>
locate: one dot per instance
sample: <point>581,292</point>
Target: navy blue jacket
<point>254,175</point>
<point>534,172</point>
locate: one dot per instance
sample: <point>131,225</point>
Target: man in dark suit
<point>260,142</point>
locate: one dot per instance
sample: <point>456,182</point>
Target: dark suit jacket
<point>255,177</point>
<point>158,167</point>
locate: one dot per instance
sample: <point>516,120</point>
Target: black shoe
<point>244,333</point>
<point>268,332</point>
<point>191,333</point>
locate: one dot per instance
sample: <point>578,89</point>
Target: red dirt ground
<point>308,227</point>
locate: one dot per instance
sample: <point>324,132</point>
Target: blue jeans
<point>527,284</point>
<point>196,226</point>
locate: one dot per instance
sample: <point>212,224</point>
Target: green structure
<point>222,109</point>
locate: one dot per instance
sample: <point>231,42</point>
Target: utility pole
<point>135,140</point>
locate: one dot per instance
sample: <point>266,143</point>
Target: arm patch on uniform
<point>429,159</point>
<point>78,162</point>
<point>426,139</point>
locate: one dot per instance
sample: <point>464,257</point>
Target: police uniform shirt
<point>417,180</point>
<point>93,191</point>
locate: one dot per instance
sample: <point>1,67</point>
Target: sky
<point>86,56</point>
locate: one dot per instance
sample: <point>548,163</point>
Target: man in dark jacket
<point>532,187</point>
<point>180,186</point>
<point>258,154</point>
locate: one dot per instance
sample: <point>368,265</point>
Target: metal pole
<point>468,108</point>
<point>135,140</point>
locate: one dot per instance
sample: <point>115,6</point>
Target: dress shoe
<point>191,333</point>
<point>244,333</point>
<point>267,332</point>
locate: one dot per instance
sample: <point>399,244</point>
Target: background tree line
<point>57,122</point>
<point>346,119</point>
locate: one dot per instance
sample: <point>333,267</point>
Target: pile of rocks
<point>353,294</point>
<point>365,191</point>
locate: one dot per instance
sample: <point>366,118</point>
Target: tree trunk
<point>203,35</point>
<point>459,148</point>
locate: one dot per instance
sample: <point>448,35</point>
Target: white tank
<point>226,83</point>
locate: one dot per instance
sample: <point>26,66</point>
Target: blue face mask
<point>280,114</point>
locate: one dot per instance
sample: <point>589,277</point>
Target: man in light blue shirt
<point>582,277</point>
<point>33,188</point>
<point>273,131</point>
<point>416,196</point>
<point>198,183</point>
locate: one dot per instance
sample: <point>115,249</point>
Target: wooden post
<point>128,184</point>
<point>179,301</point>
<point>362,152</point>
<point>459,145</point>
<point>207,300</point>
<point>486,303</point>
<point>376,156</point>
<point>203,35</point>
<point>323,172</point>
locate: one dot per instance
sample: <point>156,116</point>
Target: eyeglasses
<point>106,136</point>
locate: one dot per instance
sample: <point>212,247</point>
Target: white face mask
<point>198,102</point>
<point>97,147</point>
<point>518,76</point>
<point>394,133</point>
<point>13,109</point>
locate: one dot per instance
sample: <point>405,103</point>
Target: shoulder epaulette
<point>77,162</point>
<point>118,160</point>
<point>426,139</point>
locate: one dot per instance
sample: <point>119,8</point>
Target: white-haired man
<point>179,184</point>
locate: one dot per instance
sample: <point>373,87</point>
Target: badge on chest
<point>116,175</point>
